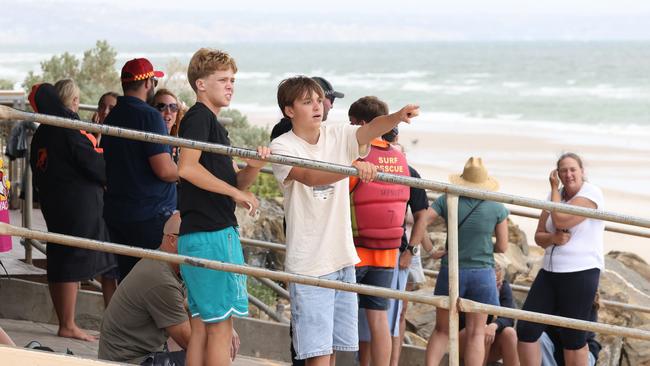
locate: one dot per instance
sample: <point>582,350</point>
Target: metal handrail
<point>437,301</point>
<point>7,229</point>
<point>429,272</point>
<point>453,192</point>
<point>93,108</point>
<point>521,213</point>
<point>610,303</point>
<point>41,247</point>
<point>536,215</point>
<point>7,113</point>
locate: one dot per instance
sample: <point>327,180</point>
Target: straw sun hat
<point>475,176</point>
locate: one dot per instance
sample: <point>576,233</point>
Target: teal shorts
<point>214,295</point>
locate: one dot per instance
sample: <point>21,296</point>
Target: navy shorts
<point>567,294</point>
<point>374,276</point>
<point>476,284</point>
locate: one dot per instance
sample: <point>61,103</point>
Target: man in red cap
<point>141,176</point>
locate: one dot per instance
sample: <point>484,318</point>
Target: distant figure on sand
<point>573,260</point>
<point>69,176</point>
<point>478,220</point>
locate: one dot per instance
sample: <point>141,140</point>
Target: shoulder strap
<point>463,221</point>
<point>468,214</point>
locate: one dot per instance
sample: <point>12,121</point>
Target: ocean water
<point>576,93</point>
<point>596,84</point>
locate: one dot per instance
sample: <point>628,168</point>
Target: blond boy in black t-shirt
<point>209,190</point>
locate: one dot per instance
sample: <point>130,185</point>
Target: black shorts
<point>570,295</point>
<point>374,276</point>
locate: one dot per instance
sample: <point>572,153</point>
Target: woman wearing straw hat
<point>477,221</point>
<point>573,259</point>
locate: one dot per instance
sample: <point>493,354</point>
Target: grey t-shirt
<point>147,301</point>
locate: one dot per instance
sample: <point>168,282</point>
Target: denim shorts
<point>323,319</point>
<point>214,295</point>
<point>394,306</point>
<point>374,276</point>
<point>476,284</point>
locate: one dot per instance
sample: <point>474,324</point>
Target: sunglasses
<point>155,82</point>
<point>172,107</point>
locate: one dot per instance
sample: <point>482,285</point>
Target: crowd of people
<point>355,230</point>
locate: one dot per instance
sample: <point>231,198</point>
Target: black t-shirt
<point>417,201</point>
<point>202,210</point>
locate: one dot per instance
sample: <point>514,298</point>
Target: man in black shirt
<point>210,188</point>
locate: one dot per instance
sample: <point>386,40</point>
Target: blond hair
<point>206,61</point>
<point>67,90</point>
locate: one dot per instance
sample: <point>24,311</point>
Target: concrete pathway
<point>22,332</point>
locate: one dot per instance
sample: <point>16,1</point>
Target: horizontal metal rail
<point>608,303</point>
<point>535,215</point>
<point>93,108</point>
<point>523,213</point>
<point>285,294</point>
<point>264,244</point>
<point>6,229</point>
<point>267,309</point>
<point>464,305</point>
<point>275,287</point>
<point>432,273</point>
<point>8,114</point>
<point>476,307</point>
<point>437,301</point>
<point>255,301</point>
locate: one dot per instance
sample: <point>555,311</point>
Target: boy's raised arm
<point>382,124</point>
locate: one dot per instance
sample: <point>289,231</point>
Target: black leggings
<point>569,294</point>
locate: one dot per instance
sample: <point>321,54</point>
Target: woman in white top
<point>573,259</point>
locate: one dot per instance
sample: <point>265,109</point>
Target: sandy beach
<point>521,158</point>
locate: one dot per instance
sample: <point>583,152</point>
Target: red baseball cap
<point>139,69</point>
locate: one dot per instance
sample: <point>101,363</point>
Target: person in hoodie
<point>69,176</point>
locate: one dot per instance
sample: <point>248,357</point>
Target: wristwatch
<point>414,249</point>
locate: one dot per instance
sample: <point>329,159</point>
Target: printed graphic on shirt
<point>323,192</point>
<point>41,162</point>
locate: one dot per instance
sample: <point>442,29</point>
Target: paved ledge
<point>23,332</point>
<point>30,301</point>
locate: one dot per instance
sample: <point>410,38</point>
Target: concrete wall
<point>24,300</point>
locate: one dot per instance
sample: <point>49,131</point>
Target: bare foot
<point>76,333</point>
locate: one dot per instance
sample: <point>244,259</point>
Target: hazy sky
<point>57,21</point>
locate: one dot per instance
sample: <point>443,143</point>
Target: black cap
<point>327,88</point>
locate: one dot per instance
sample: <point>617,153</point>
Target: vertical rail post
<point>28,204</point>
<point>452,256</point>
